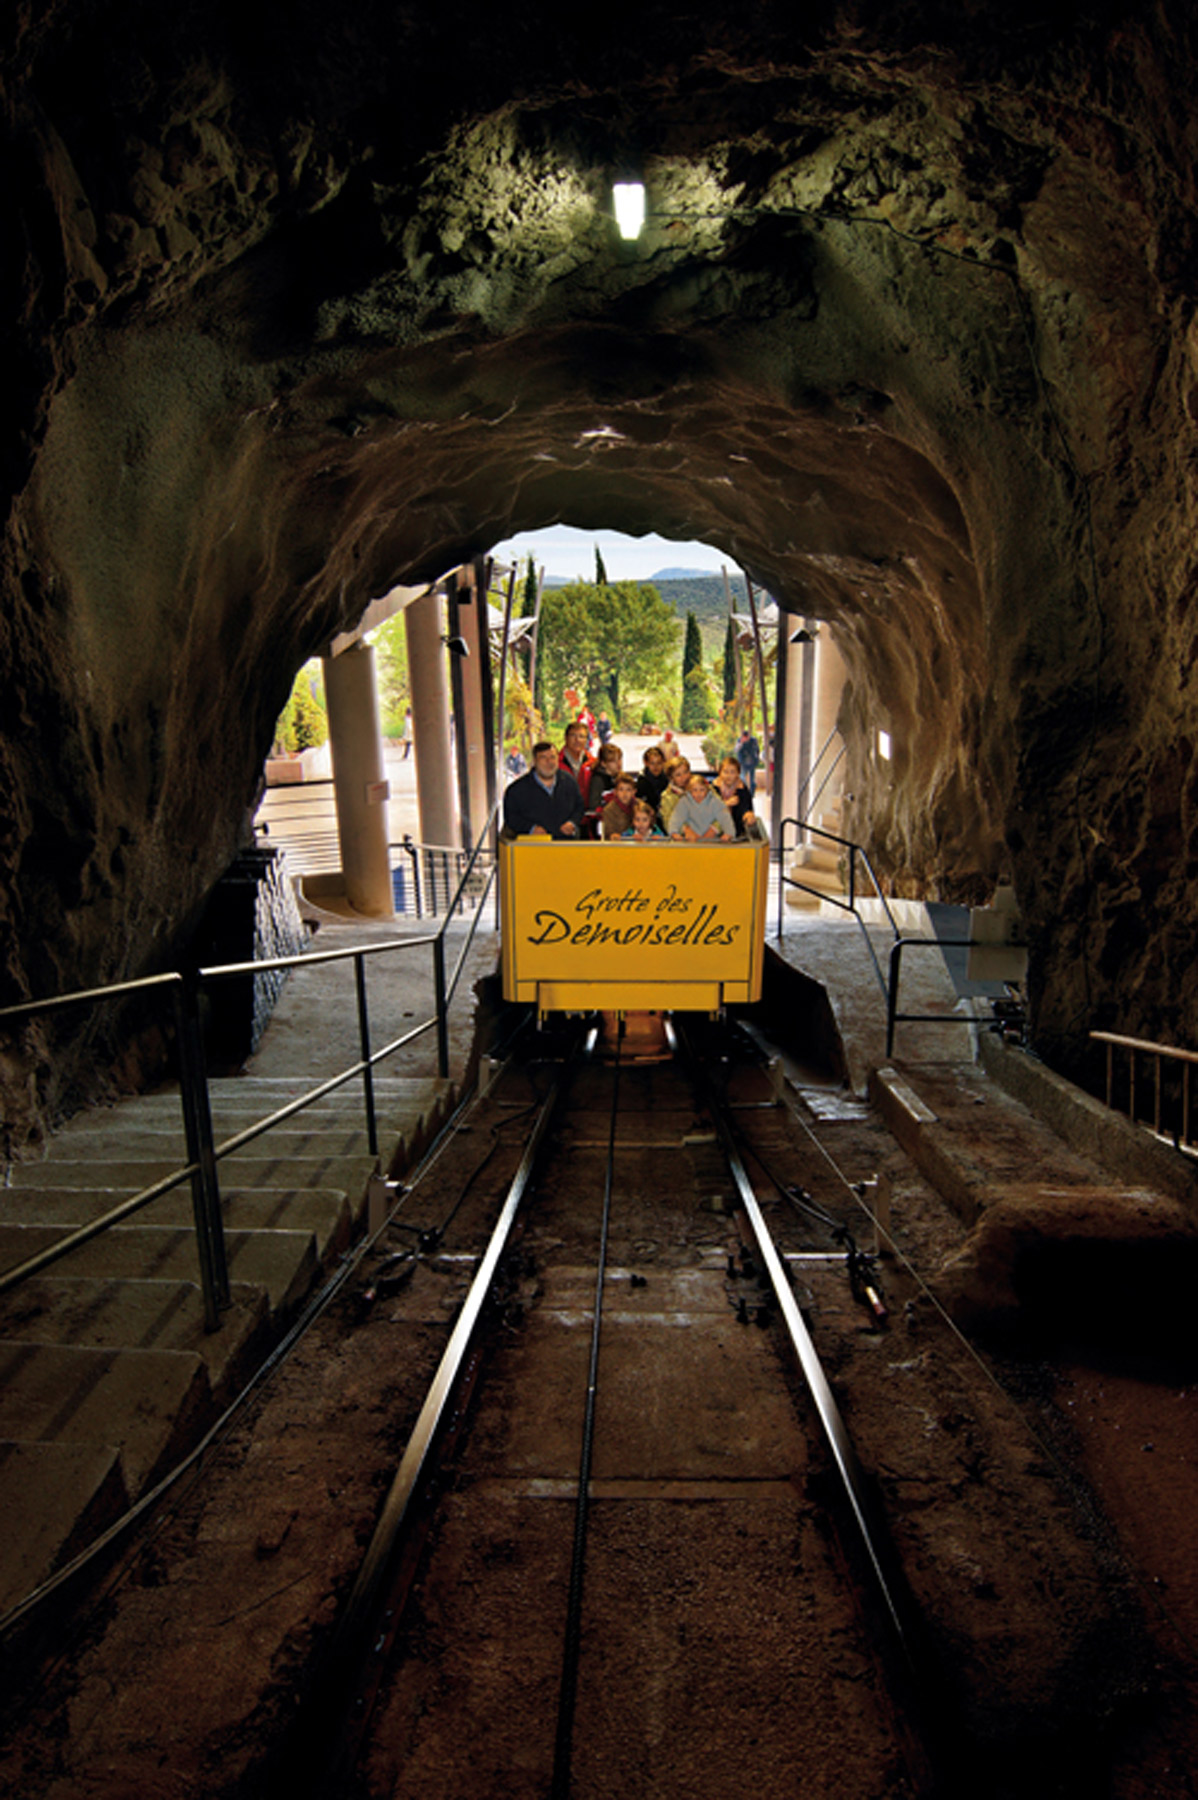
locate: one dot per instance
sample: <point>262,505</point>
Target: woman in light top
<point>701,817</point>
<point>735,795</point>
<point>644,828</point>
<point>678,774</point>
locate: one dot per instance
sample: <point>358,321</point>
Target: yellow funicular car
<point>629,927</point>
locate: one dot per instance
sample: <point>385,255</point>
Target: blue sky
<point>564,551</point>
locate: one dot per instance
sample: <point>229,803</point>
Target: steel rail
<point>848,1467</point>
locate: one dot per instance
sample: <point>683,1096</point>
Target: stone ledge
<point>1088,1125</point>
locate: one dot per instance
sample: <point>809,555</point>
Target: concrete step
<point>819,856</point>
<point>282,1263</point>
<point>245,1170</point>
<point>62,1496</point>
<point>113,1314</point>
<point>326,1212</point>
<point>125,1140</point>
<point>68,1394</point>
<point>106,1371</point>
<point>255,1097</point>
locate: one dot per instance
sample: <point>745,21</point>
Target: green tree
<point>390,643</point>
<point>730,658</point>
<point>600,571</point>
<point>303,722</point>
<point>694,714</point>
<point>588,631</point>
<point>528,610</point>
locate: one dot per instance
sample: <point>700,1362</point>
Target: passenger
<point>617,814</point>
<point>545,802</point>
<point>644,828</point>
<point>651,785</point>
<point>735,795</point>
<point>574,759</point>
<point>603,785</point>
<point>608,764</point>
<point>701,815</point>
<point>678,773</point>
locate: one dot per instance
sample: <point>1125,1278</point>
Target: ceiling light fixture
<point>628,200</point>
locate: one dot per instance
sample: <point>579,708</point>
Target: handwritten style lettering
<point>552,927</point>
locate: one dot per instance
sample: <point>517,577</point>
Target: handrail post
<point>442,1008</point>
<point>782,824</point>
<point>197,1126</point>
<point>853,883</point>
<point>372,1133</point>
<point>892,987</point>
<point>409,850</point>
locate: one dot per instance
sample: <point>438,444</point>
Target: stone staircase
<point>107,1376</point>
<point>822,866</point>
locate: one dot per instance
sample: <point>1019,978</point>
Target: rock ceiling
<point>308,303</point>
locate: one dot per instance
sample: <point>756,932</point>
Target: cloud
<point>565,551</point>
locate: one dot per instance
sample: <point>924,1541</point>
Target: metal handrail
<point>203,1154</point>
<point>855,850</point>
<point>1160,1053</point>
<point>888,983</point>
<point>415,851</point>
<point>814,771</point>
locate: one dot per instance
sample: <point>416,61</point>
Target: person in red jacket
<point>574,759</point>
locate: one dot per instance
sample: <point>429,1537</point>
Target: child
<point>644,828</point>
<point>602,786</point>
<point>678,773</point>
<point>651,785</point>
<point>701,816</point>
<point>617,814</point>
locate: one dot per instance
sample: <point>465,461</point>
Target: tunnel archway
<point>905,335</point>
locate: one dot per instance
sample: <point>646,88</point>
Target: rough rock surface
<point>303,303</point>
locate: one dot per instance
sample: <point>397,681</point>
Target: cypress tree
<point>693,715</point>
<point>730,663</point>
<point>600,571</point>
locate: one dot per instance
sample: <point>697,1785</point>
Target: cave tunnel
<point>304,306</point>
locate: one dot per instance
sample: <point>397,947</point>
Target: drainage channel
<point>626,1585</point>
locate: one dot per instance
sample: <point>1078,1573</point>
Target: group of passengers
<point>570,794</point>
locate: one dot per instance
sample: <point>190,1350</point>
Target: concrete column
<point>793,727</point>
<point>430,720</point>
<point>474,670</point>
<point>829,685</point>
<point>359,783</point>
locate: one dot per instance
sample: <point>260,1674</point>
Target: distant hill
<point>681,575</point>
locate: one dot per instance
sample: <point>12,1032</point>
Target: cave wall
<point>300,307</point>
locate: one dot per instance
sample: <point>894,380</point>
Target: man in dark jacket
<point>546,802</point>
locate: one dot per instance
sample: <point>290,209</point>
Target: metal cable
<point>568,1693</point>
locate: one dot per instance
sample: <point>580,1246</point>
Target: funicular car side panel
<point>632,926</point>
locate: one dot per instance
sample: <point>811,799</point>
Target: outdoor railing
<point>203,1154</point>
<point>1169,1083</point>
<point>805,812</point>
<point>854,855</point>
<point>888,983</point>
<point>437,875</point>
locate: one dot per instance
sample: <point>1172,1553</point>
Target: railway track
<point>629,1547</point>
